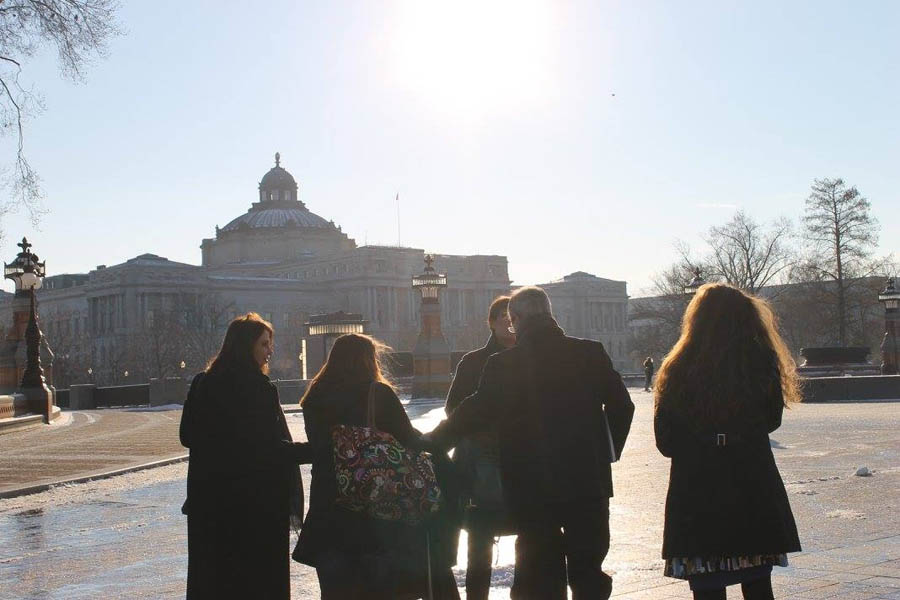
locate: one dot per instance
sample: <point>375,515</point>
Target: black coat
<point>331,529</point>
<point>549,398</point>
<point>465,383</point>
<point>327,527</point>
<point>725,500</point>
<point>468,373</point>
<point>240,476</point>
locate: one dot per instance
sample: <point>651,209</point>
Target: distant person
<point>243,485</point>
<point>562,415</point>
<point>719,393</point>
<point>357,556</point>
<point>477,458</point>
<point>648,373</point>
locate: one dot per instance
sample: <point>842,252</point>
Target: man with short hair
<point>477,454</point>
<point>562,415</point>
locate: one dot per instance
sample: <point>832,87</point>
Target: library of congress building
<point>148,315</point>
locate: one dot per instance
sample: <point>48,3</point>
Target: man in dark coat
<point>562,416</point>
<point>481,522</point>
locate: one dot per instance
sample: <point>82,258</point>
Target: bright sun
<point>474,58</point>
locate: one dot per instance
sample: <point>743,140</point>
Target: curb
<point>34,489</point>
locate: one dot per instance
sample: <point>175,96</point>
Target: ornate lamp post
<point>27,272</point>
<point>889,357</point>
<point>431,355</point>
<point>695,283</point>
<point>332,325</point>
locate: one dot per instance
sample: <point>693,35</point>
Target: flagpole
<point>399,245</point>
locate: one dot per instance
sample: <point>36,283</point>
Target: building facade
<point>152,317</point>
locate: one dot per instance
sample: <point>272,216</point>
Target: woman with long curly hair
<point>719,394</point>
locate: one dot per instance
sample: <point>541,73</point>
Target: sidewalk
<point>87,443</point>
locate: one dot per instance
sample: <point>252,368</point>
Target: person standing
<point>243,485</point>
<point>480,451</point>
<point>648,373</point>
<point>719,394</point>
<point>562,415</point>
<point>357,556</point>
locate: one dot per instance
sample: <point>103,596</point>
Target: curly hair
<point>729,355</point>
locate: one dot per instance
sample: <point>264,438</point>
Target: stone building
<point>591,307</point>
<point>146,316</point>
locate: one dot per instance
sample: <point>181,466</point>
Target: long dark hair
<point>354,358</point>
<point>728,356</point>
<point>237,347</point>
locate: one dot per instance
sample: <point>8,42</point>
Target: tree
<point>79,30</point>
<point>843,236</point>
<point>749,256</point>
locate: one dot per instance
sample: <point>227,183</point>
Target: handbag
<point>378,476</point>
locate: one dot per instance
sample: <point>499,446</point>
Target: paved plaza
<point>85,443</point>
<point>124,537</point>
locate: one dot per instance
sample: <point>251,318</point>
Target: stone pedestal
<point>431,355</point>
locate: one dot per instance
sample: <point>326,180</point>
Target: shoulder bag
<point>378,476</point>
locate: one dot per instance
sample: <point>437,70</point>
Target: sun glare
<point>474,58</point>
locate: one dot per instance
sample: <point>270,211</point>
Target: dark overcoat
<point>465,382</point>
<point>240,476</point>
<point>328,528</point>
<point>726,497</point>
<point>549,398</point>
<point>468,373</point>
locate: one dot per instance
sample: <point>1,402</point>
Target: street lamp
<point>27,272</point>
<point>429,282</point>
<point>695,283</point>
<point>90,373</point>
<point>182,366</point>
<point>891,298</point>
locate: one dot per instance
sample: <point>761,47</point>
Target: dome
<point>278,178</point>
<point>261,217</point>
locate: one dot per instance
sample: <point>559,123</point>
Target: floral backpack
<point>380,477</point>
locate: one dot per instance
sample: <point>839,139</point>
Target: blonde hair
<point>729,353</point>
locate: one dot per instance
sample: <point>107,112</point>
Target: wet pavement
<point>125,537</point>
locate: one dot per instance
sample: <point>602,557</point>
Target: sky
<point>566,136</point>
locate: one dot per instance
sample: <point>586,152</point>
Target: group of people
<point>536,419</point>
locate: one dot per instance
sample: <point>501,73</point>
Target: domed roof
<point>278,178</point>
<point>278,206</point>
<point>261,217</point>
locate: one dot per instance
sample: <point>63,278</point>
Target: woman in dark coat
<point>719,393</point>
<point>243,484</point>
<point>356,556</point>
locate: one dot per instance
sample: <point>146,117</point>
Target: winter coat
<point>468,373</point>
<point>549,398</point>
<point>239,485</point>
<point>726,497</point>
<point>465,383</point>
<point>331,529</point>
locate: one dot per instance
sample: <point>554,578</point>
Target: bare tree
<point>843,236</point>
<point>749,256</point>
<point>79,30</point>
<point>654,322</point>
<point>208,318</point>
